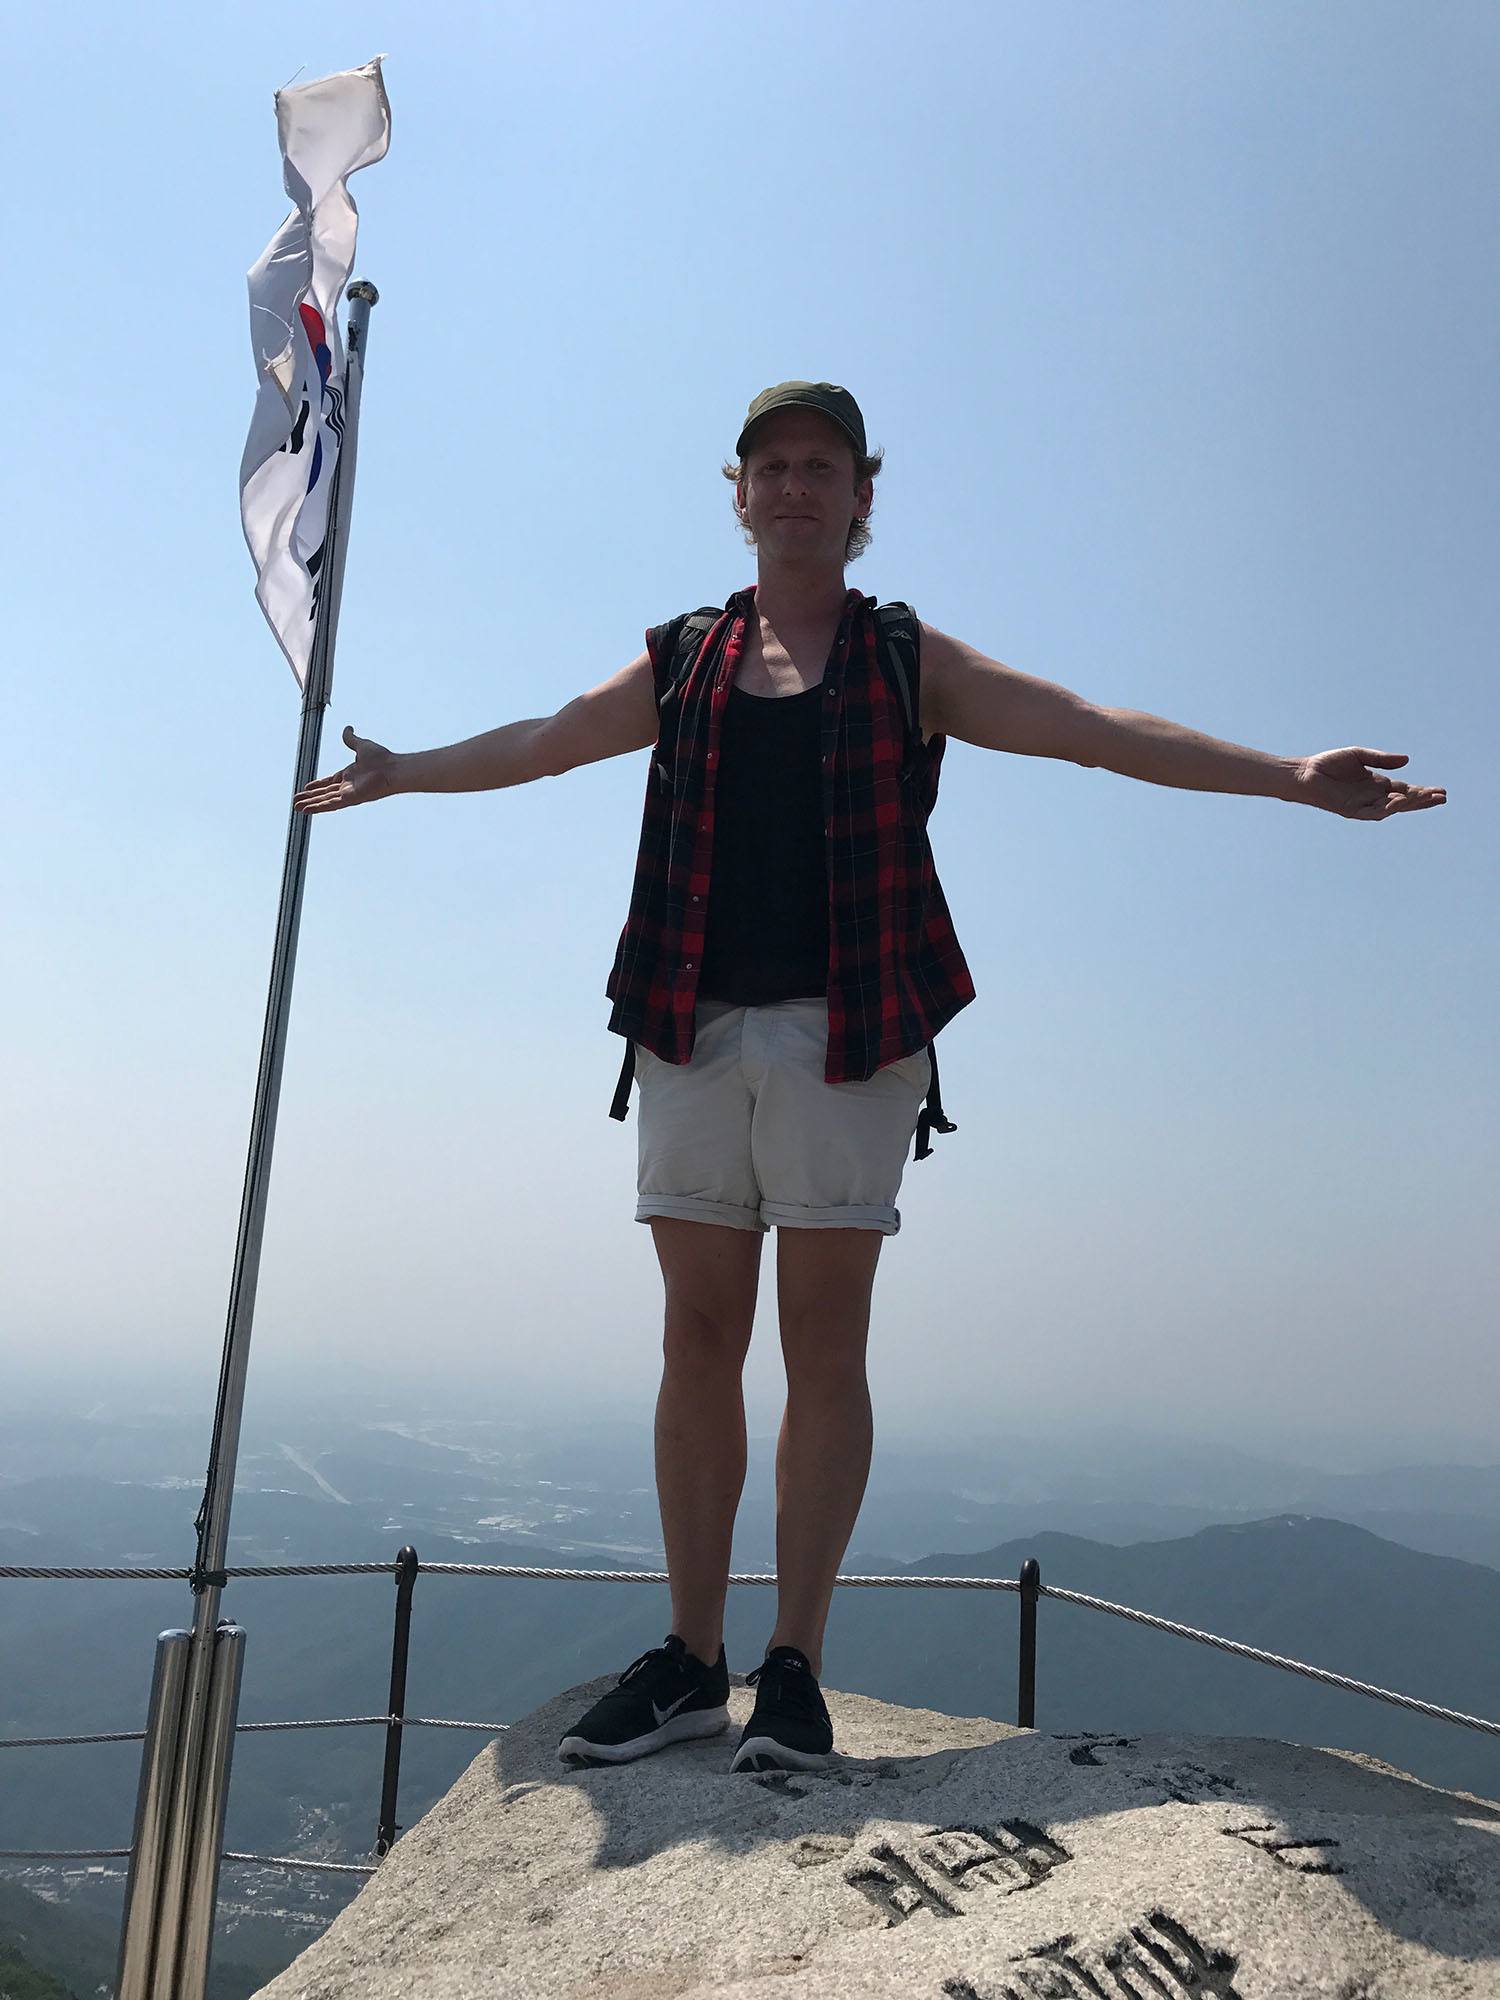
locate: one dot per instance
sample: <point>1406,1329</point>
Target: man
<point>781,1027</point>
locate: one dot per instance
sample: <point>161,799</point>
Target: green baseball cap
<point>826,397</point>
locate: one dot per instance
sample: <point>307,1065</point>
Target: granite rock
<point>942,1858</point>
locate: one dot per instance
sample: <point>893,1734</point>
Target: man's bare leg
<point>711,1274</point>
<point>824,1280</point>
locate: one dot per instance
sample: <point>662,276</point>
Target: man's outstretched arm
<point>617,716</point>
<point>981,701</point>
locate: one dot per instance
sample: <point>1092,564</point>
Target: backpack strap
<point>932,1118</point>
<point>621,1105</point>
<point>675,647</point>
<point>899,648</point>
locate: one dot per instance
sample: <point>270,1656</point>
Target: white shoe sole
<point>764,1753</point>
<point>676,1729</point>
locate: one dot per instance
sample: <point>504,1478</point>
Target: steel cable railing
<point>753,1577</point>
<point>1245,1652</point>
<point>315,1722</point>
<point>293,1861</point>
<point>247,1728</point>
<point>47,1742</point>
<point>445,1722</point>
<point>105,1575</point>
<point>536,1572</point>
<point>313,1569</point>
<point>64,1853</point>
<point>406,1568</point>
<point>118,1574</point>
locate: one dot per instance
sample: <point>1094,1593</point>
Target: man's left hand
<point>1341,781</point>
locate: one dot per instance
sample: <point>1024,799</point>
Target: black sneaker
<point>663,1697</point>
<point>789,1729</point>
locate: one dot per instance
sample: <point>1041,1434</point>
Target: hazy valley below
<point>1389,1574</point>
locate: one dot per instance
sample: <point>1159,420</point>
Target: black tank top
<point>767,933</point>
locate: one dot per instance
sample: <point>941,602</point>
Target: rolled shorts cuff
<point>787,1215</point>
<point>691,1208</point>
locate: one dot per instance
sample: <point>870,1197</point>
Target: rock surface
<point>942,1858</point>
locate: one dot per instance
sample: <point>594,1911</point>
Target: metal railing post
<point>406,1578</point>
<point>1031,1584</point>
<point>209,1812</point>
<point>177,1842</point>
<point>148,1841</point>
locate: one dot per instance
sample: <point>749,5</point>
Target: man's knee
<point>711,1337</point>
<point>825,1350</point>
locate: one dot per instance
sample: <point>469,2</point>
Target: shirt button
<point>697,899</point>
<point>689,966</point>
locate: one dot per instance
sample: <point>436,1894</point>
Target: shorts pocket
<point>915,1070</point>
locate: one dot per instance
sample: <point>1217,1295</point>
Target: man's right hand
<point>372,775</point>
<point>616,716</point>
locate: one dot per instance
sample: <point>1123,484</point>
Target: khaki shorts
<point>749,1135</point>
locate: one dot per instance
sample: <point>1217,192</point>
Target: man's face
<point>797,490</point>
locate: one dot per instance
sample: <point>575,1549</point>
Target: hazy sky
<point>1177,323</point>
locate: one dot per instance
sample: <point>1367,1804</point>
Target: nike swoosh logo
<point>672,1707</point>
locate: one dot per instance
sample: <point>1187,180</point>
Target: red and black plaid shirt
<point>896,973</point>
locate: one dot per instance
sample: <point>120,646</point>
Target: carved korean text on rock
<point>1158,1957</point>
<point>940,1869</point>
<point>1307,1857</point>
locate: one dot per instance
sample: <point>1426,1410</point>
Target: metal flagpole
<point>164,1949</point>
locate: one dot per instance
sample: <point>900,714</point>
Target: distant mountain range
<point>59,1952</point>
<point>21,1977</point>
<point>64,1951</point>
<point>1311,1589</point>
<point>1294,1581</point>
<point>77,1656</point>
<point>590,1487</point>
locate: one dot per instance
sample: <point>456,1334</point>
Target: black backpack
<point>898,648</point>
